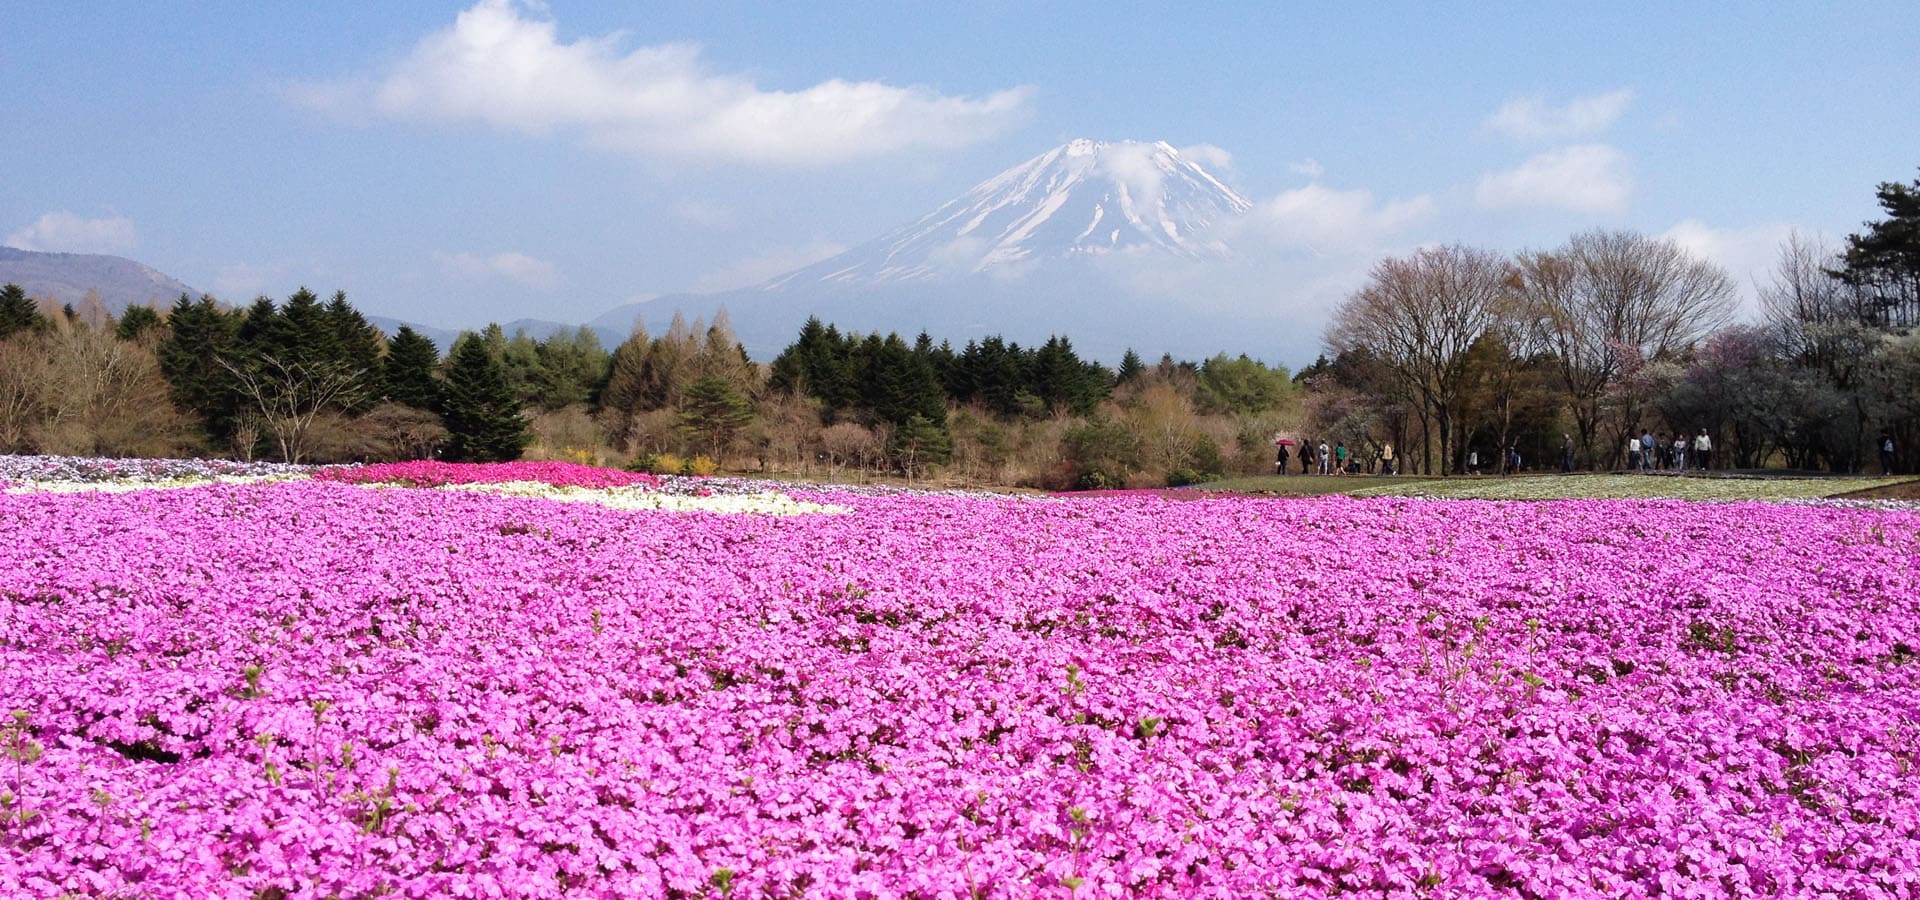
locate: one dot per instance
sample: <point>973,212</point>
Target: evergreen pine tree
<point>302,333</point>
<point>1884,260</point>
<point>833,369</point>
<point>1060,378</point>
<point>17,312</point>
<point>520,362</point>
<point>919,442</point>
<point>573,368</point>
<point>1130,367</point>
<point>356,341</point>
<point>406,375</point>
<point>791,370</point>
<point>482,416</point>
<point>259,328</point>
<point>899,384</point>
<point>712,411</point>
<point>136,321</point>
<point>199,335</point>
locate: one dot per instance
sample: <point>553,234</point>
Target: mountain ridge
<point>1026,253</point>
<point>68,277</point>
<point>1128,194</point>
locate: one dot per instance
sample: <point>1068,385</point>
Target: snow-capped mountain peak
<point>1084,197</point>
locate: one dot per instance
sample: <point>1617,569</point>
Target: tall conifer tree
<point>406,374</point>
<point>481,414</point>
<point>17,312</point>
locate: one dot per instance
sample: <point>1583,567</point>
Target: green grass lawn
<point>1556,487</point>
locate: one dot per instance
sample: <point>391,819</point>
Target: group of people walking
<point>1676,453</point>
<point>1334,460</point>
<point>1649,452</point>
<point>1509,463</point>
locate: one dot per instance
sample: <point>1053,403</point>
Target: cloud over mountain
<point>499,67</point>
<point>63,232</point>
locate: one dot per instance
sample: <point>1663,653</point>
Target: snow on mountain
<point>1094,240</point>
<point>1084,198</point>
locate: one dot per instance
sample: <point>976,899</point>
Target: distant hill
<point>67,277</point>
<point>442,338</point>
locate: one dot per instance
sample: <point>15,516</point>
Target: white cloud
<point>63,232</point>
<point>1321,217</point>
<point>1531,118</point>
<point>1748,254</point>
<point>244,281</point>
<point>511,265</point>
<point>1311,168</point>
<point>1208,156</point>
<point>1592,178</point>
<point>501,69</point>
<point>1136,166</point>
<point>756,269</point>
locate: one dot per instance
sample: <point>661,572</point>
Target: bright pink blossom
<point>433,473</point>
<point>314,689</point>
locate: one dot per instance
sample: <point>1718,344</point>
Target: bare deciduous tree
<point>1419,315</point>
<point>393,431</point>
<point>849,442</point>
<point>1606,297</point>
<point>82,391</point>
<point>291,395</point>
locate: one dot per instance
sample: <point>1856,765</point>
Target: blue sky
<point>458,163</point>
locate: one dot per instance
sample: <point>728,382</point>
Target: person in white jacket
<point>1703,449</point>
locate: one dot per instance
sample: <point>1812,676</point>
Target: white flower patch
<point>765,503</point>
<point>130,486</point>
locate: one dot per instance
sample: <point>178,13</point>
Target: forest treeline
<point>1447,353</point>
<point>310,381</point>
<point>1563,355</point>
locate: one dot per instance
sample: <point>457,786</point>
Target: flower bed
<point>1626,487</point>
<point>84,469</point>
<point>312,689</point>
<point>634,498</point>
<point>433,473</point>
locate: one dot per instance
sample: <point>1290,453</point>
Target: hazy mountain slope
<point>67,277</point>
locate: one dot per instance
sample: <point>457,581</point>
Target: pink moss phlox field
<point>433,473</point>
<point>317,690</point>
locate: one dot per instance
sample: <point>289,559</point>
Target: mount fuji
<point>1082,198</point>
<point>1069,242</point>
